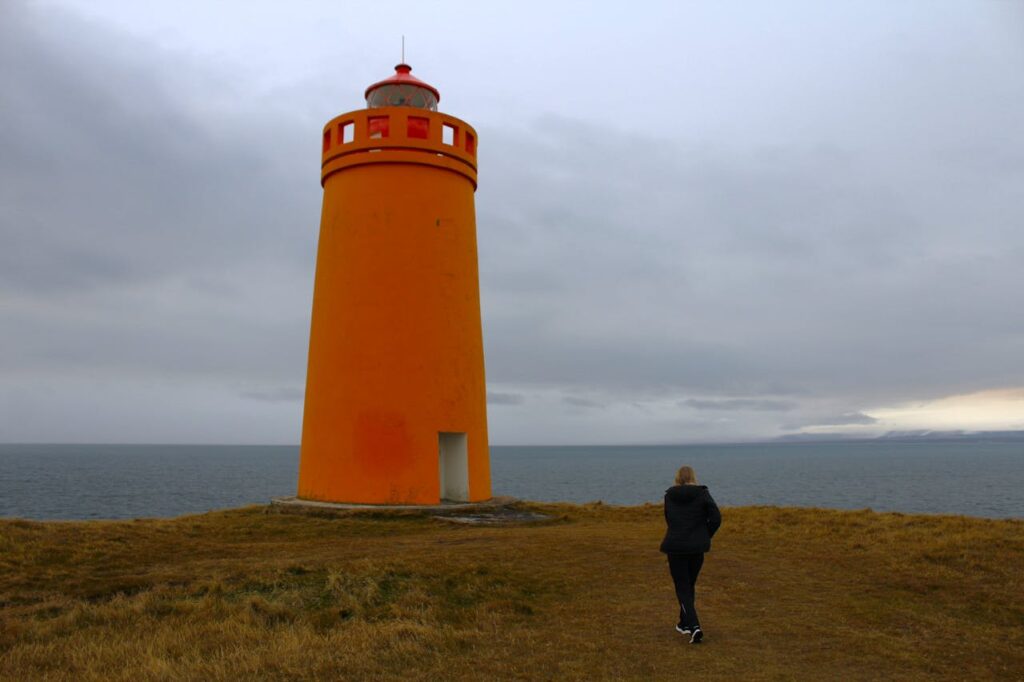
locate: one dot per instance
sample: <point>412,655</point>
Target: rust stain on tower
<point>396,408</point>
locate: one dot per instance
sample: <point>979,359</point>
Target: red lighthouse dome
<point>402,90</point>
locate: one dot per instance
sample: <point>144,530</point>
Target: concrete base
<point>495,511</point>
<point>346,506</point>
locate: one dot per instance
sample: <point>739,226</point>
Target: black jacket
<point>692,518</point>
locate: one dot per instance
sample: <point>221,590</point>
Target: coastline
<point>143,481</point>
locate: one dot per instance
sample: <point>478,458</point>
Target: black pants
<point>685,568</point>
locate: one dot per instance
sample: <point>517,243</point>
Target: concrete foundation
<point>493,512</point>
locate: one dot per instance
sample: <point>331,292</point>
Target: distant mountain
<point>818,437</point>
<point>991,436</point>
<point>915,435</point>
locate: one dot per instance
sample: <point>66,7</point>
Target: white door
<point>454,457</point>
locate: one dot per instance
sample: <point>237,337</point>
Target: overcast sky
<point>697,222</point>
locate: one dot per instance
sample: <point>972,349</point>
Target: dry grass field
<point>258,594</point>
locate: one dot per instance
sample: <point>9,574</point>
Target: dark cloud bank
<point>159,233</point>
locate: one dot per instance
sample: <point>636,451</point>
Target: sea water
<point>976,478</point>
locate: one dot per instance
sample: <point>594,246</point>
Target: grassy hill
<point>258,594</point>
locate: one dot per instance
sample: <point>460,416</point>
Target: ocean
<point>976,478</point>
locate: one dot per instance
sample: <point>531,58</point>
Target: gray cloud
<point>854,242</point>
<point>845,419</point>
<point>108,179</point>
<point>732,404</point>
<point>795,270</point>
<point>276,395</point>
<point>141,234</point>
<point>577,401</point>
<point>496,398</point>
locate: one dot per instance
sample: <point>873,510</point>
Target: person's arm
<point>714,515</point>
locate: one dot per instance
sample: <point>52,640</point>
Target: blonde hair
<point>686,476</point>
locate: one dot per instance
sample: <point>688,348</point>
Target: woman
<point>692,518</point>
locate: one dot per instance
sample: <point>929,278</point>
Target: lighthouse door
<point>454,466</point>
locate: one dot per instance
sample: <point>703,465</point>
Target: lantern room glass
<point>401,96</point>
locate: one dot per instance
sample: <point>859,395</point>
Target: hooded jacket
<point>692,517</point>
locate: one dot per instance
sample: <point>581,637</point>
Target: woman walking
<point>692,517</point>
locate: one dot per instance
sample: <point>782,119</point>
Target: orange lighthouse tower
<point>396,408</point>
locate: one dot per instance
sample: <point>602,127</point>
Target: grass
<point>257,594</point>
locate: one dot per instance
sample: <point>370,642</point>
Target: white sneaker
<point>682,630</point>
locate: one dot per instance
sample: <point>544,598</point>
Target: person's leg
<point>679,567</point>
<point>694,562</point>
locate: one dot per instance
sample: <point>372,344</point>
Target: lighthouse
<point>395,409</point>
